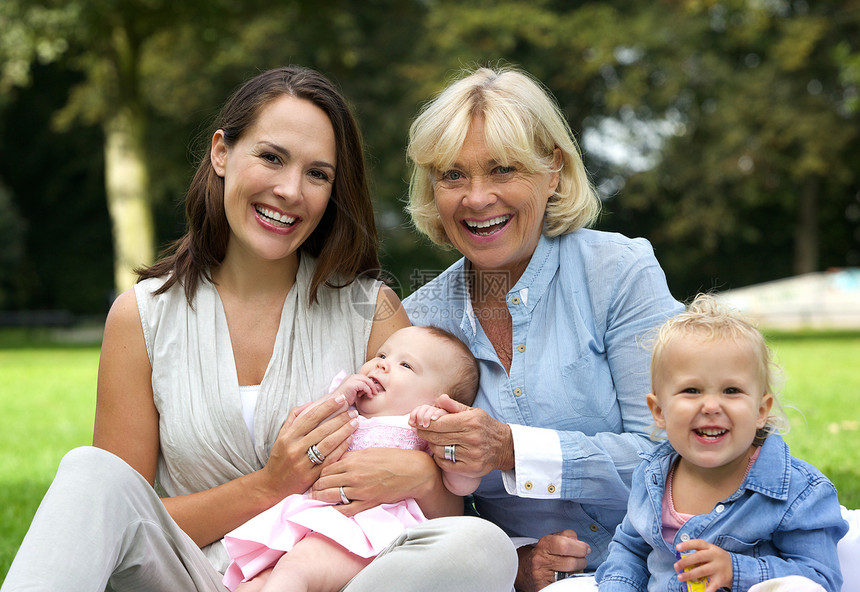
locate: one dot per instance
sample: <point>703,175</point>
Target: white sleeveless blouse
<point>204,438</point>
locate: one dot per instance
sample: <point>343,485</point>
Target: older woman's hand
<point>480,443</point>
<point>557,552</point>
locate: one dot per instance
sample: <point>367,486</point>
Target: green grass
<point>47,397</point>
<point>47,394</point>
<point>822,399</point>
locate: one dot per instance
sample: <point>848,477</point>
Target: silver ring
<point>343,498</point>
<point>560,575</point>
<point>450,453</point>
<point>315,455</point>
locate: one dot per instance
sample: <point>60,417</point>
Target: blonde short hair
<point>707,318</point>
<point>522,124</point>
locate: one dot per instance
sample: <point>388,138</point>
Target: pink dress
<point>260,542</point>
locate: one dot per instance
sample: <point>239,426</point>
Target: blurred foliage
<point>726,132</point>
<point>12,230</point>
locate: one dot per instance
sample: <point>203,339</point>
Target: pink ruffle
<point>260,542</point>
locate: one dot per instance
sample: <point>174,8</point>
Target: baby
<point>308,545</point>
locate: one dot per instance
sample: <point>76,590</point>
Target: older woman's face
<point>492,214</point>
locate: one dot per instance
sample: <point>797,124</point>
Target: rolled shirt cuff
<point>537,463</point>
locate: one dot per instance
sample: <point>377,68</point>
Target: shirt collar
<point>542,268</point>
<point>531,286</point>
<point>769,475</point>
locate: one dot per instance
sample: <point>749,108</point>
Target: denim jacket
<point>783,520</point>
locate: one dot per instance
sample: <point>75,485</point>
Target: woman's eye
<point>270,158</point>
<point>504,170</point>
<point>452,176</point>
<point>320,175</point>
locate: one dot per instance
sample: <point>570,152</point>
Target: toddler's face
<point>709,397</point>
<point>411,368</point>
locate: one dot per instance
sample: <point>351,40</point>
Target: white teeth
<point>275,216</point>
<point>711,432</point>
<point>486,223</point>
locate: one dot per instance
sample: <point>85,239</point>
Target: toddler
<point>722,504</point>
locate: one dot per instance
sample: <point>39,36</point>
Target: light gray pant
<point>101,524</point>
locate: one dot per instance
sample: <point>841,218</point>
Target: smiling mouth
<point>274,217</point>
<point>487,227</point>
<point>710,433</point>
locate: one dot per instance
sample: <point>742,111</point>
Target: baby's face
<point>411,368</point>
<point>709,397</point>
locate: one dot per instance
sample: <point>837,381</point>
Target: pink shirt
<point>673,520</point>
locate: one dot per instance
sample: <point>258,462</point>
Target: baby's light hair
<point>463,387</point>
<point>709,319</point>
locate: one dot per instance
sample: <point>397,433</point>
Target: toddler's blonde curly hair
<point>708,318</point>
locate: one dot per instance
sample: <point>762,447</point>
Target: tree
<point>110,95</point>
<point>115,46</point>
<point>763,156</point>
<point>739,119</point>
<point>137,91</point>
<point>11,247</point>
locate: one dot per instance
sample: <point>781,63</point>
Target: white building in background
<point>825,300</point>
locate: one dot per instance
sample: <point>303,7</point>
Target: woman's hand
<point>374,476</point>
<point>328,426</point>
<point>560,551</point>
<point>481,443</point>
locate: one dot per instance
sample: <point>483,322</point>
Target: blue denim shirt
<point>580,312</point>
<point>783,520</point>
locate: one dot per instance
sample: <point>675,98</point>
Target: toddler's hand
<point>708,561</point>
<point>422,415</point>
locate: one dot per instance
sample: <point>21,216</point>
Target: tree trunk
<point>127,165</point>
<point>806,228</point>
<point>127,184</point>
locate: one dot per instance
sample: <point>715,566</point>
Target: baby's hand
<point>355,386</point>
<point>422,415</point>
<point>709,561</point>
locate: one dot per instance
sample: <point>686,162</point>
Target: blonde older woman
<point>552,310</point>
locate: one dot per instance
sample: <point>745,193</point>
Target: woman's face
<point>492,214</point>
<point>278,178</point>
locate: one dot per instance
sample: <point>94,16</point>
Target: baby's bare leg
<point>315,564</point>
<point>256,583</point>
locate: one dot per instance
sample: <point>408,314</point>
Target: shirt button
<point>518,392</point>
<point>685,537</point>
<point>528,485</point>
<point>719,509</point>
<point>515,300</point>
<point>593,527</point>
<point>521,348</point>
<point>551,488</point>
